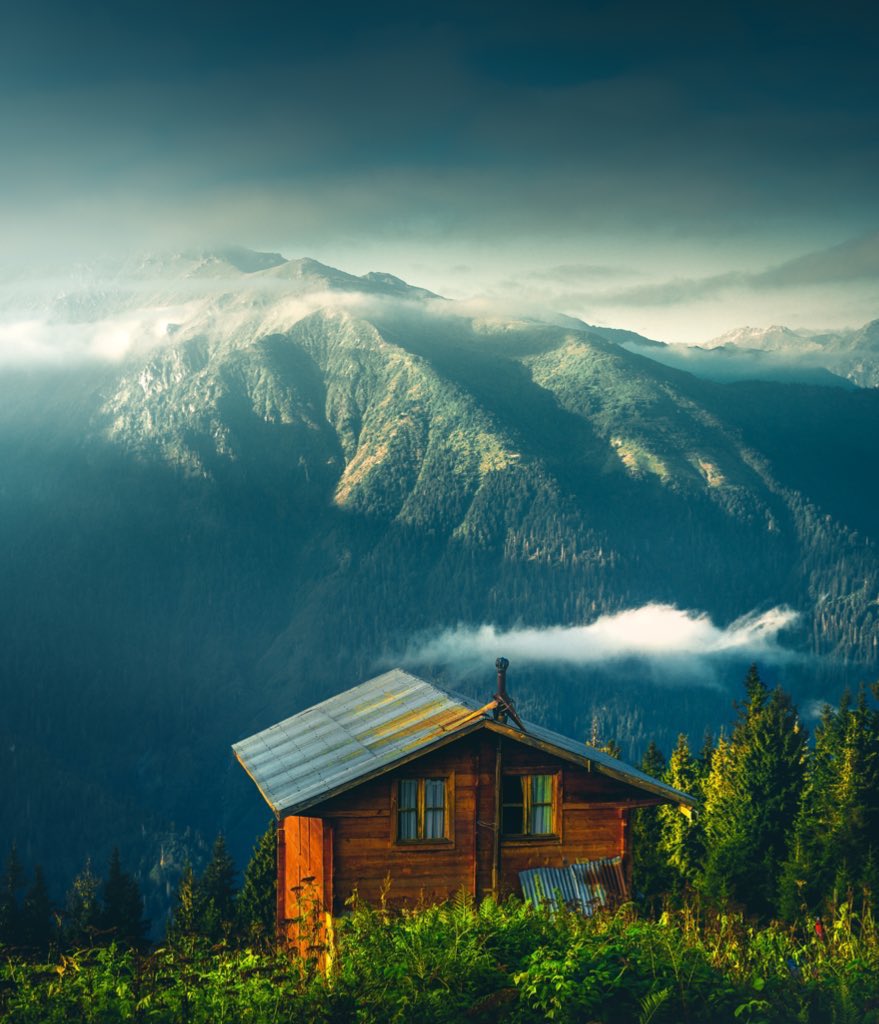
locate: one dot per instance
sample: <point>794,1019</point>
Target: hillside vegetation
<point>493,963</point>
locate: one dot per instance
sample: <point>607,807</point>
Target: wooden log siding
<point>488,811</point>
<point>348,842</point>
<point>592,811</point>
<point>365,850</point>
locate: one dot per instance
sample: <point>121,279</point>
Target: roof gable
<point>385,722</point>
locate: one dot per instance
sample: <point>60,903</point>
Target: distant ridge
<point>844,359</point>
<point>248,261</point>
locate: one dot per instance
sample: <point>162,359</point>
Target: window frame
<point>555,776</point>
<point>421,777</point>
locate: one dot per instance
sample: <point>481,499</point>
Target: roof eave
<point>253,779</point>
<point>471,725</point>
<point>666,793</point>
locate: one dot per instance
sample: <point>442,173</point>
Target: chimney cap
<point>503,706</point>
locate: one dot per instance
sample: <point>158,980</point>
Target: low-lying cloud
<point>824,366</point>
<point>673,641</point>
<point>48,342</point>
<point>56,321</point>
<point>854,260</point>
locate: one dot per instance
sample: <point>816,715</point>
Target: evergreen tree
<point>681,838</point>
<point>609,747</point>
<point>121,917</point>
<point>215,895</point>
<point>10,907</point>
<point>751,797</point>
<point>82,909</point>
<point>706,752</point>
<point>185,916</point>
<point>650,873</point>
<point>835,848</point>
<point>726,834</point>
<point>36,917</point>
<point>256,904</point>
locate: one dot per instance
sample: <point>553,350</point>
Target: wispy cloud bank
<point>37,342</point>
<point>673,641</point>
<point>854,260</point>
<point>110,313</point>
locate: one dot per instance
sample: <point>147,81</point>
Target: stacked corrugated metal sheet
<point>582,887</point>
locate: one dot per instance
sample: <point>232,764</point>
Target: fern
<point>651,1003</point>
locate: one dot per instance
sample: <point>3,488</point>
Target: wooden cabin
<point>401,782</point>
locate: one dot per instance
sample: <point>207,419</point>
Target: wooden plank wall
<point>487,745</point>
<point>591,825</point>
<point>347,844</point>
<point>304,879</point>
<point>365,856</point>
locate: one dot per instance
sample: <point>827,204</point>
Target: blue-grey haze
<point>720,159</point>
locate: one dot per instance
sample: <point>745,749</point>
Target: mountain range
<point>844,358</point>
<point>233,484</point>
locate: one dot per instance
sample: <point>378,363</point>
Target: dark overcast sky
<point>685,166</point>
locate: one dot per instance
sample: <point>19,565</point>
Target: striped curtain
<point>541,805</point>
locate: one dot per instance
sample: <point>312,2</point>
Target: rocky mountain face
<point>289,472</point>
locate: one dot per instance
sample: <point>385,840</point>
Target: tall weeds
<point>476,963</point>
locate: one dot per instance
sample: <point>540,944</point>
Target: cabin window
<point>527,805</point>
<point>421,810</point>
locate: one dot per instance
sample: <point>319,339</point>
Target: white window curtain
<point>434,808</point>
<point>407,812</point>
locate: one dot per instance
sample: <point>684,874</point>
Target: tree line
<point>102,911</point>
<point>784,828</point>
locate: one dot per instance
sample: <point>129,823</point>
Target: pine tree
<point>835,848</point>
<point>751,797</point>
<point>650,874</point>
<point>121,917</point>
<point>609,747</point>
<point>10,907</point>
<point>216,894</point>
<point>706,753</point>
<point>36,917</point>
<point>722,821</point>
<point>256,904</point>
<point>82,909</point>
<point>185,916</point>
<point>682,841</point>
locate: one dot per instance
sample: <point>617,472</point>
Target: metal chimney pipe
<point>502,665</point>
<point>501,696</point>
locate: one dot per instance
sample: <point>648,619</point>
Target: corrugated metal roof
<point>356,734</point>
<point>384,722</point>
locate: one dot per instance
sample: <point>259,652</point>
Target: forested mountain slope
<point>291,472</point>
